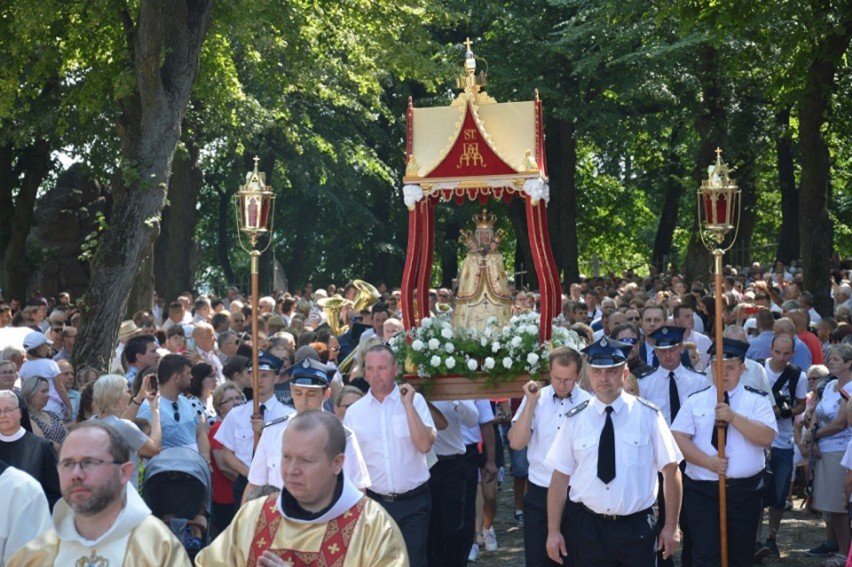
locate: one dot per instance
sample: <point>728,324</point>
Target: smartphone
<point>190,344</point>
<point>152,383</point>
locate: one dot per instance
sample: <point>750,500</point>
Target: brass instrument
<point>331,306</point>
<point>367,295</point>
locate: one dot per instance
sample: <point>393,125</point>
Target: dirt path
<point>800,531</point>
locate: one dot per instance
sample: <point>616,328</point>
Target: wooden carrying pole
<point>720,390</point>
<point>255,376</point>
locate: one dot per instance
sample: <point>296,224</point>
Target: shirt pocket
<point>586,446</point>
<point>399,424</point>
<point>634,448</point>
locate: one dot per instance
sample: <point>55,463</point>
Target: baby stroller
<point>176,487</point>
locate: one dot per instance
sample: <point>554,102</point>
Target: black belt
<point>422,489</point>
<point>613,517</point>
<point>444,458</point>
<point>731,481</point>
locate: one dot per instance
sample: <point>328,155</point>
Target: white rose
<point>483,341</point>
<point>451,362</point>
<point>450,348</point>
<point>491,320</point>
<point>426,322</point>
<point>472,365</point>
<point>435,361</point>
<point>516,341</point>
<point>489,363</point>
<point>417,345</point>
<point>447,333</point>
<point>495,346</point>
<point>532,359</point>
<point>434,344</point>
<point>532,329</point>
<point>507,362</point>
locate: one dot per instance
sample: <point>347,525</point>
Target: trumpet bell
<point>367,295</point>
<point>331,306</point>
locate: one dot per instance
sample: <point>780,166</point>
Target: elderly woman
<point>225,398</point>
<point>111,399</point>
<point>828,439</point>
<point>49,425</point>
<point>347,396</point>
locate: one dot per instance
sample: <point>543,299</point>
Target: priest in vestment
<point>483,286</point>
<point>101,520</point>
<point>319,517</point>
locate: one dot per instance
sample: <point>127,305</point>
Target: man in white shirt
<point>536,423</point>
<point>396,431</point>
<point>25,513</point>
<point>683,318</point>
<point>609,451</point>
<point>237,430</point>
<point>205,341</point>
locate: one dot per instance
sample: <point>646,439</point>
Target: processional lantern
<point>254,204</point>
<point>719,201</point>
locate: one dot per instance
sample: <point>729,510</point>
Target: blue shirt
<point>760,347</point>
<point>176,432</point>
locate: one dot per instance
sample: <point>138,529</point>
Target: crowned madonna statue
<point>483,289</point>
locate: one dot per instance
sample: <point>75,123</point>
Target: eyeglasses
<point>86,465</point>
<point>57,329</point>
<point>232,400</point>
<point>8,411</point>
<point>628,340</point>
<point>177,413</point>
<point>147,324</point>
<point>357,319</point>
<point>633,318</point>
<point>8,372</point>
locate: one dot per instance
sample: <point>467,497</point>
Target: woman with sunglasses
<point>225,398</point>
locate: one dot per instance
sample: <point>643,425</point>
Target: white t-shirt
<point>826,411</point>
<point>784,439</point>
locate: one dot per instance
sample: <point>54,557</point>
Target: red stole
<point>335,541</point>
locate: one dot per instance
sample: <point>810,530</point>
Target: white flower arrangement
<point>435,348</point>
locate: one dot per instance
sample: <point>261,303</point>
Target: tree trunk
<point>7,206</point>
<point>142,293</point>
<point>788,234</point>
<point>566,243</point>
<point>165,44</point>
<point>35,165</point>
<point>223,247</point>
<point>710,125</point>
<point>740,253</point>
<point>661,254</point>
<point>174,250</point>
<point>815,227</point>
<point>518,216</point>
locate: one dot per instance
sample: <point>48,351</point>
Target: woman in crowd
<point>175,339</point>
<point>111,398</point>
<point>828,440</point>
<point>8,375</point>
<point>201,388</point>
<point>347,396</point>
<point>51,426</point>
<point>225,398</point>
<point>87,403</point>
<point>83,376</point>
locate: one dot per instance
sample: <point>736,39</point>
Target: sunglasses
<point>177,413</point>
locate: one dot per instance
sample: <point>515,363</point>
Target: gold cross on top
<point>469,44</point>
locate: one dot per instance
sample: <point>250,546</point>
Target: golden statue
<point>483,288</point>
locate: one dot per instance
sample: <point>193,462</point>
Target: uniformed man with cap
<point>610,450</point>
<point>671,383</point>
<point>539,418</point>
<point>750,429</point>
<point>237,430</point>
<point>309,385</point>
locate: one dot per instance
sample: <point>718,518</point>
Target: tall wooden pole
<point>720,385</point>
<point>255,255</point>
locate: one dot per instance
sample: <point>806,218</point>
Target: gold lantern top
<point>254,204</point>
<point>718,203</point>
<point>470,81</point>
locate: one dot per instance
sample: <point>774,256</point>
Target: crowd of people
<point>611,460</point>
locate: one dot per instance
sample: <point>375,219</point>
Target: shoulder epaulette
<point>577,409</point>
<point>699,391</point>
<point>643,371</point>
<point>756,391</point>
<point>646,403</point>
<point>694,371</point>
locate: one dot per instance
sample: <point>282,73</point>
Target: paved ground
<point>799,532</point>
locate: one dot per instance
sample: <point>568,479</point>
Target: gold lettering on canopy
<point>470,154</point>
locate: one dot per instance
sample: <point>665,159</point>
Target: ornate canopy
<point>475,149</point>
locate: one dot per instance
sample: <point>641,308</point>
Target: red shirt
<point>812,342</point>
<point>223,487</point>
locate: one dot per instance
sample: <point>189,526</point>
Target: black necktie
<point>714,440</point>
<point>606,450</point>
<point>262,409</point>
<point>674,398</point>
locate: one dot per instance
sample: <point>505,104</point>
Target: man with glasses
<point>67,338</point>
<point>100,520</point>
<point>179,421</point>
<point>535,425</point>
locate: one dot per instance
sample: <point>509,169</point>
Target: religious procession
<point>281,295</point>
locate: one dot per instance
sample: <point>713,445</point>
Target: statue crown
<point>485,219</point>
